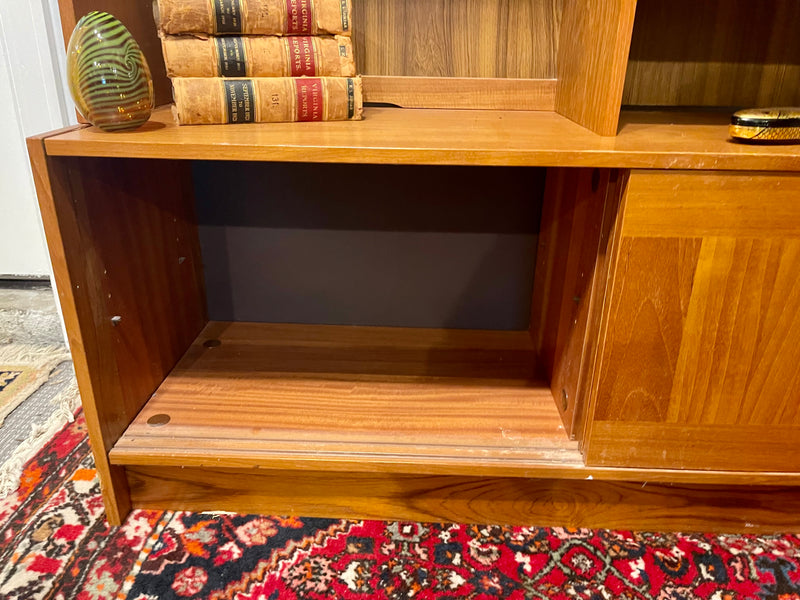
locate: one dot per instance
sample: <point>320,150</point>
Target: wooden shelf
<point>665,140</point>
<point>370,399</point>
<point>362,398</point>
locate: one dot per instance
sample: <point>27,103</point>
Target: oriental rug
<point>23,369</point>
<point>38,394</point>
<point>55,544</point>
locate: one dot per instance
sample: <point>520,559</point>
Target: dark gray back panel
<point>411,246</point>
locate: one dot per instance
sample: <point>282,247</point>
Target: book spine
<point>215,100</point>
<point>258,56</point>
<point>257,17</point>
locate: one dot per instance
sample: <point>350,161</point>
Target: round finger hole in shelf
<point>158,420</point>
<point>212,343</point>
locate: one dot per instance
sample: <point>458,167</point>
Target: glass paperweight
<point>108,74</point>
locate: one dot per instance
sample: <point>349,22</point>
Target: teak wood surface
<point>116,229</point>
<point>687,373</point>
<point>700,361</point>
<point>714,53</point>
<point>376,397</point>
<point>371,400</point>
<point>593,49</point>
<point>457,38</point>
<point>572,269</point>
<point>437,498</point>
<point>461,92</point>
<point>444,137</point>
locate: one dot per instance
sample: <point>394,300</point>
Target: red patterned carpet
<point>55,544</point>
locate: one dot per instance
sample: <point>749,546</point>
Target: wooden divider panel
<point>572,268</point>
<point>593,49</point>
<point>700,364</point>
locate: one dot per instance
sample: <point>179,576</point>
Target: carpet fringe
<point>26,353</point>
<point>44,357</point>
<point>10,472</point>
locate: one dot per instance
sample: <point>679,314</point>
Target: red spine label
<point>299,17</point>
<point>301,50</point>
<point>309,99</point>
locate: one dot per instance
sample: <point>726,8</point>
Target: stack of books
<point>259,61</point>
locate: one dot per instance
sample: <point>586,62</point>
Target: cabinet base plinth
<point>439,498</point>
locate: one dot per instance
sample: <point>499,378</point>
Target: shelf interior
<point>273,395</point>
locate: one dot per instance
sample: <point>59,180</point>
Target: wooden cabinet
<point>654,388</point>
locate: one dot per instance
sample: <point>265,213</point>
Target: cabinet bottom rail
<point>441,498</point>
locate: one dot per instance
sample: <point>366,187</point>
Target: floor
<point>28,315</point>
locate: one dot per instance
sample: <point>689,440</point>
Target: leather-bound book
<point>259,17</point>
<point>215,100</point>
<point>258,56</point>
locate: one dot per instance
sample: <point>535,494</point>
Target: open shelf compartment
<point>360,398</point>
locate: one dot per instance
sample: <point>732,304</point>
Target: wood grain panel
<point>461,92</point>
<point>739,351</point>
<point>138,220</point>
<point>137,16</point>
<point>569,286</point>
<point>649,304</point>
<point>446,137</point>
<point>682,446</point>
<point>124,237</point>
<point>700,356</point>
<point>389,396</point>
<point>752,205</point>
<point>715,53</point>
<point>539,502</point>
<point>592,58</point>
<point>369,400</point>
<point>94,368</point>
<point>457,38</point>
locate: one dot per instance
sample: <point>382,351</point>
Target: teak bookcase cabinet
<point>657,387</point>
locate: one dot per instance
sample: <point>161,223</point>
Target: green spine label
<point>351,99</point>
<point>231,58</point>
<point>345,16</point>
<point>227,16</point>
<point>241,100</point>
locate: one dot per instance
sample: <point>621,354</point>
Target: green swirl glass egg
<point>108,75</point>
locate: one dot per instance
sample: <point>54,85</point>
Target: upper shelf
<point>663,140</point>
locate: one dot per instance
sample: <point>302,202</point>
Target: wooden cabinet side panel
<point>701,360</point>
<point>95,369</point>
<point>123,241</point>
<point>139,237</point>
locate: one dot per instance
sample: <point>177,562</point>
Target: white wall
<point>32,100</point>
